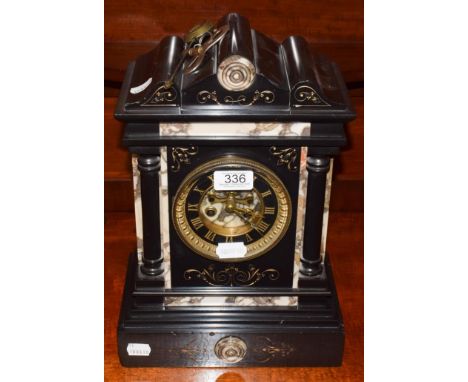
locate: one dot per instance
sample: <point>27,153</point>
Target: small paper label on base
<point>138,349</point>
<point>231,250</point>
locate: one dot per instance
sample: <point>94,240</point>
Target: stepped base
<point>151,334</point>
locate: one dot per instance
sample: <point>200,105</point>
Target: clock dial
<point>205,217</point>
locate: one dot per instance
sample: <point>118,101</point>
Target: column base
<point>309,268</point>
<point>152,268</point>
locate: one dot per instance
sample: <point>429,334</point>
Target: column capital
<point>149,163</point>
<point>318,164</point>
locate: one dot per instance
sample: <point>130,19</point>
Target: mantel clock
<point>232,136</point>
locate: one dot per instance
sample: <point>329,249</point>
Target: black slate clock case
<point>280,258</point>
<point>288,83</point>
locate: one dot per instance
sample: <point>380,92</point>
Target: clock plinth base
<point>310,334</point>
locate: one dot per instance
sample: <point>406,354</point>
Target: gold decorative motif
<point>182,155</point>
<point>241,100</point>
<point>267,350</point>
<point>230,349</point>
<point>163,96</point>
<point>307,96</point>
<point>204,96</point>
<point>285,156</point>
<point>231,275</point>
<point>193,350</point>
<point>266,96</point>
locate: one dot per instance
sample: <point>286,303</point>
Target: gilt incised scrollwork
<point>162,96</point>
<point>205,96</point>
<point>193,350</point>
<point>181,155</point>
<point>266,350</point>
<point>306,96</point>
<point>231,275</point>
<point>286,156</point>
<point>265,96</point>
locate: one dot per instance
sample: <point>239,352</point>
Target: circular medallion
<point>230,349</point>
<point>236,73</point>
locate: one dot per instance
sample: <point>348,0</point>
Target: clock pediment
<point>233,71</point>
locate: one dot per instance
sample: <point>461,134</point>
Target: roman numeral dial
<point>205,217</point>
<point>261,226</point>
<point>269,211</point>
<point>197,223</point>
<point>210,235</point>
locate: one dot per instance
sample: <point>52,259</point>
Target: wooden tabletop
<point>345,245</point>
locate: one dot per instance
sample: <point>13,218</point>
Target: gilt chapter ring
<point>255,249</point>
<point>236,73</point>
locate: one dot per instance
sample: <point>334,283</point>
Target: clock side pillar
<point>311,259</point>
<point>152,260</point>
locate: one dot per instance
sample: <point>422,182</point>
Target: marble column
<point>311,260</point>
<point>152,260</point>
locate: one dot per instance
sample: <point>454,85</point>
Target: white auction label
<point>138,349</point>
<point>233,180</point>
<point>231,250</point>
<point>143,86</point>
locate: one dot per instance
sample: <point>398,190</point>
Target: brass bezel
<point>255,249</point>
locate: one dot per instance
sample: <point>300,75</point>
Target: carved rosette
<point>306,96</point>
<point>265,96</point>
<point>181,155</point>
<point>162,96</point>
<point>231,275</point>
<point>286,156</point>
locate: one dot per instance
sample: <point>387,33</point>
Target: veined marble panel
<point>228,129</point>
<point>235,129</point>
<point>231,301</point>
<point>137,203</point>
<point>326,209</point>
<point>301,207</point>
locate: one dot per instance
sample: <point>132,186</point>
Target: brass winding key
<point>197,48</point>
